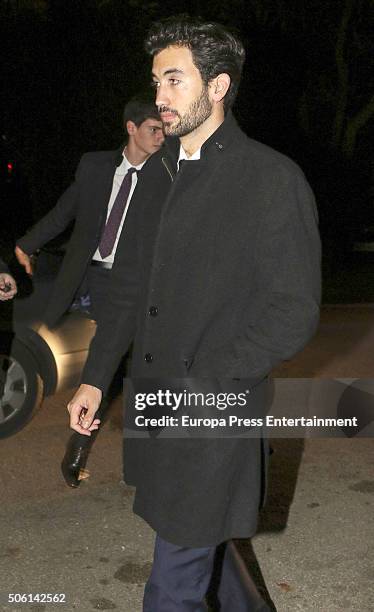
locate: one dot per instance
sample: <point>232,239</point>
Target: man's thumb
<point>87,417</point>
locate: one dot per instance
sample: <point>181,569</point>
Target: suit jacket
<point>222,269</point>
<point>86,202</point>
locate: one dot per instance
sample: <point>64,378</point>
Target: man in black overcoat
<point>220,280</point>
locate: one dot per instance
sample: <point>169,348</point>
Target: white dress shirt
<point>119,175</point>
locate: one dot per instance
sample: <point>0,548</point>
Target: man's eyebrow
<point>170,71</point>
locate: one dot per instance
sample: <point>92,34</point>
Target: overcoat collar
<point>227,133</point>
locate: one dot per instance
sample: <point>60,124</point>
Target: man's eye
<point>155,84</point>
<point>174,81</point>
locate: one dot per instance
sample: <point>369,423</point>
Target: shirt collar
<point>125,165</point>
<point>183,155</point>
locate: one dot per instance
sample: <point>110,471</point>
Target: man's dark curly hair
<point>138,110</point>
<point>214,49</point>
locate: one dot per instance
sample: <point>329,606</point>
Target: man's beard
<point>198,112</point>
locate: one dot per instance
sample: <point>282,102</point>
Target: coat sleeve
<point>288,287</point>
<point>57,220</point>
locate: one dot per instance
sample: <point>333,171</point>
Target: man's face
<point>148,136</point>
<point>182,98</point>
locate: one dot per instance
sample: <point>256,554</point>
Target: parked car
<point>36,361</point>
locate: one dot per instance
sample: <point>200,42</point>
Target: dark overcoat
<point>219,276</point>
<point>86,203</point>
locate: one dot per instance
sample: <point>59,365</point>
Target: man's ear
<point>130,127</point>
<point>219,86</point>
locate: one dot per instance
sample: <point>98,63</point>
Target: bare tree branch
<point>355,124</point>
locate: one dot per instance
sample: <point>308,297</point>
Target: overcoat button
<point>148,357</point>
<point>153,311</point>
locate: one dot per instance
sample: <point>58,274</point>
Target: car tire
<point>21,388</point>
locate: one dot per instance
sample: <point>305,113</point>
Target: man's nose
<point>160,137</point>
<point>162,99</point>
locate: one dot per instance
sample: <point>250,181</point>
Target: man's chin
<point>171,128</point>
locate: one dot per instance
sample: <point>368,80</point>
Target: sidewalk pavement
<point>315,547</point>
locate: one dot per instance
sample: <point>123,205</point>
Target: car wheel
<point>21,388</point>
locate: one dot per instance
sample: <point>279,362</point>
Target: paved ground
<point>315,542</point>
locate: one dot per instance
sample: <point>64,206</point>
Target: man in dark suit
<point>8,286</point>
<point>218,283</point>
<point>97,201</point>
<point>89,201</point>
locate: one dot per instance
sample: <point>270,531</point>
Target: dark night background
<point>69,66</point>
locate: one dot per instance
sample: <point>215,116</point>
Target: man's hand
<point>24,259</point>
<point>82,409</point>
<point>8,287</point>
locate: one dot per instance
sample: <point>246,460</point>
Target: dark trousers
<point>180,579</point>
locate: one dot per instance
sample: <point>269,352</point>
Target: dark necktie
<point>110,232</point>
